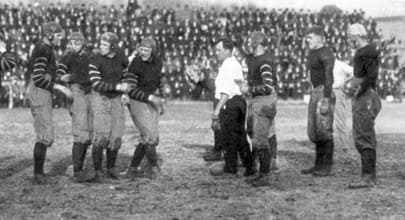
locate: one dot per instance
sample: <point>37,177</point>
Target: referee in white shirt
<point>229,115</point>
<point>341,72</point>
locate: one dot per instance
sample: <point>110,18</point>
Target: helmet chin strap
<point>111,53</point>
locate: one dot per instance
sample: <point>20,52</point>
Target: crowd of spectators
<point>185,36</point>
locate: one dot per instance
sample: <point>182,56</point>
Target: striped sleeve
<point>268,84</point>
<point>40,78</point>
<point>127,77</point>
<point>7,62</point>
<point>62,68</point>
<point>97,81</point>
<point>136,93</point>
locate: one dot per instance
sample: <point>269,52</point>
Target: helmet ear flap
<point>51,28</point>
<point>77,36</point>
<point>112,38</point>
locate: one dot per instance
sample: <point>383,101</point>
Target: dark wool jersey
<point>261,77</point>
<point>366,62</point>
<point>77,65</point>
<point>148,76</point>
<point>320,65</point>
<point>105,73</point>
<point>42,66</point>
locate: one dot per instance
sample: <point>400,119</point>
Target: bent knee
<point>116,143</point>
<point>101,141</point>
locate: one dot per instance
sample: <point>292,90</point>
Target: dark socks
<point>139,153</point>
<point>39,158</point>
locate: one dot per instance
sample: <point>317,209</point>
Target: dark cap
<point>318,30</point>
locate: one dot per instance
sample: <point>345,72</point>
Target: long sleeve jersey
<point>42,66</point>
<point>261,77</point>
<point>320,65</point>
<point>148,78</point>
<point>105,73</point>
<point>77,65</point>
<point>366,62</point>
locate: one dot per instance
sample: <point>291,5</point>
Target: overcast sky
<point>371,7</point>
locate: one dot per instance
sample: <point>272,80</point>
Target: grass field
<point>186,190</point>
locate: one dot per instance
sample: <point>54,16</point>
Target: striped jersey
<point>105,73</point>
<point>261,77</point>
<point>148,78</point>
<point>42,66</point>
<point>77,65</point>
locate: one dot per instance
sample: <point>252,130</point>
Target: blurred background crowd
<point>186,35</point>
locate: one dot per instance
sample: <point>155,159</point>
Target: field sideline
<point>186,190</point>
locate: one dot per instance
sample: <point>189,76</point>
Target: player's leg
<point>40,102</point>
<point>101,107</point>
<point>365,110</point>
<point>145,119</point>
<point>324,133</point>
<point>80,130</point>
<point>117,131</point>
<point>153,141</point>
<point>311,130</point>
<point>264,110</point>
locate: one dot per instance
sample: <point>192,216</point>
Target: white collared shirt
<point>225,81</point>
<point>341,71</point>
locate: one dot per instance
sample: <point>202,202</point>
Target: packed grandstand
<point>186,35</point>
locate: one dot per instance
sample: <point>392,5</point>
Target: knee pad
<point>87,143</point>
<point>273,141</point>
<point>101,142</point>
<point>116,144</point>
<point>47,143</point>
<point>152,141</point>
